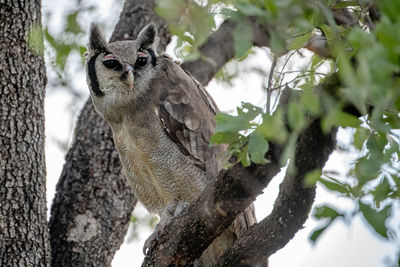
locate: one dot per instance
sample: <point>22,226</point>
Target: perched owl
<point>162,120</point>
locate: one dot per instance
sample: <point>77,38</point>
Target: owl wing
<point>186,112</point>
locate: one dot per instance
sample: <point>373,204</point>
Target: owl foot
<point>166,218</point>
<point>171,210</point>
<point>152,240</point>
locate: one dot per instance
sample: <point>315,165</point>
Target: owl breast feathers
<point>161,118</point>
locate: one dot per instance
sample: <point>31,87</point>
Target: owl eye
<point>111,64</point>
<point>141,61</point>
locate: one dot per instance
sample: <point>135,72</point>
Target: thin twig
<point>281,75</point>
<point>269,91</point>
<point>301,71</point>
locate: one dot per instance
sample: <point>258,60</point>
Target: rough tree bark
<point>24,239</point>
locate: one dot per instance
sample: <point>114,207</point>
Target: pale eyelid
<point>109,56</point>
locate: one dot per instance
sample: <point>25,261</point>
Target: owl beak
<point>128,76</point>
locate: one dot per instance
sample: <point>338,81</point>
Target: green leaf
<point>224,137</point>
<point>243,157</point>
<point>72,23</point>
<point>343,4</point>
<point>242,37</point>
<point>249,9</point>
<point>337,117</point>
<point>288,152</point>
<point>316,234</point>
<point>134,219</point>
<point>347,120</point>
<point>270,5</point>
<point>366,169</point>
<point>382,191</point>
<point>353,90</point>
<point>296,117</point>
<point>82,50</point>
<point>249,111</point>
<point>311,102</point>
<point>278,42</point>
<point>192,56</point>
<point>258,146</point>
<point>230,123</point>
<point>273,127</point>
<point>360,136</point>
<point>329,32</point>
<point>334,185</point>
<point>397,104</point>
<point>376,144</point>
<point>392,119</point>
<point>312,177</point>
<point>377,219</point>
<point>299,41</point>
<point>326,212</point>
<point>35,40</point>
<point>390,8</point>
<point>170,9</point>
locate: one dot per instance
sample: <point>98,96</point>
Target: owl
<point>162,120</point>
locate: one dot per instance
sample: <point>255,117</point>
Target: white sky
<point>341,246</point>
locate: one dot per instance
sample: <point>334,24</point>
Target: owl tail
<point>221,244</point>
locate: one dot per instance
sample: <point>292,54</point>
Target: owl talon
<point>150,242</point>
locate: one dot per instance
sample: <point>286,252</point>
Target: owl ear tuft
<point>147,36</point>
<point>97,41</point>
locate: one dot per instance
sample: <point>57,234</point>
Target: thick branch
<point>292,206</point>
<point>91,210</point>
<point>206,218</point>
<point>233,191</point>
<point>218,49</point>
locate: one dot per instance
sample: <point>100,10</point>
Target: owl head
<point>117,73</point>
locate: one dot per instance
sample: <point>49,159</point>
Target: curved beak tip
<point>128,75</point>
<point>130,79</point>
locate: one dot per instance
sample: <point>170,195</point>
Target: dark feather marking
<point>186,114</point>
<point>175,131</point>
<point>94,83</point>
<point>153,56</point>
<point>147,35</point>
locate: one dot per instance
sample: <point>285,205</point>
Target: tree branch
<point>218,49</point>
<point>233,191</point>
<point>292,206</point>
<point>207,217</point>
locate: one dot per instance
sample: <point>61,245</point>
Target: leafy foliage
<point>363,51</point>
<point>66,45</point>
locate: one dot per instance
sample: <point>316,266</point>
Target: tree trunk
<point>24,239</point>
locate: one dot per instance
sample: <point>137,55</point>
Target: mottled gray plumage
<point>162,120</point>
